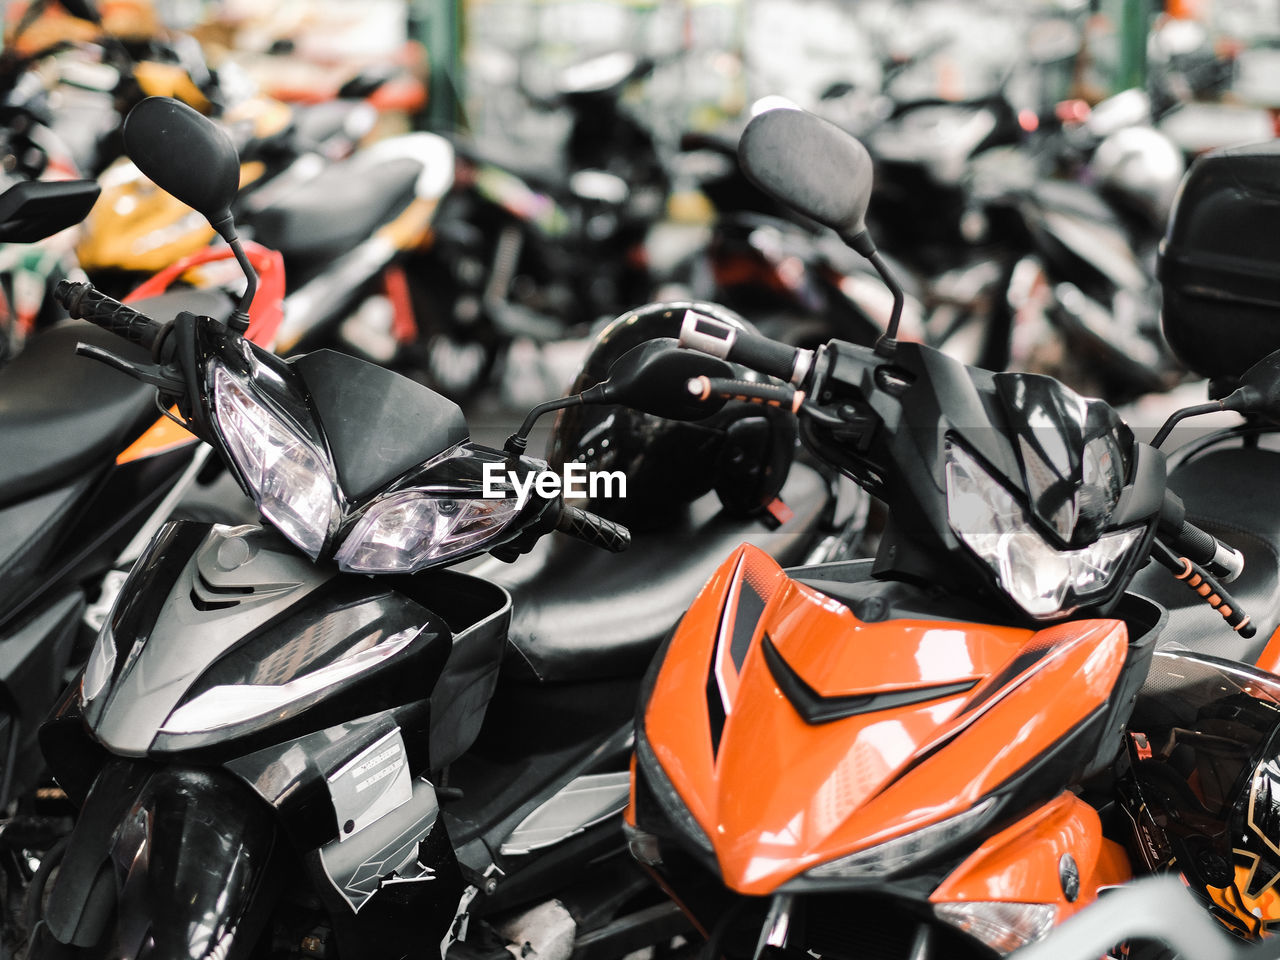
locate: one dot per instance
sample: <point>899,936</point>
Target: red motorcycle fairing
<point>797,733</point>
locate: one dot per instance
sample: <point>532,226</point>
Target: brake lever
<point>164,378</point>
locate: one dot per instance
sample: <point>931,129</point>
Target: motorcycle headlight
<point>1004,927</point>
<point>1043,580</point>
<point>407,531</point>
<point>889,857</point>
<point>288,476</point>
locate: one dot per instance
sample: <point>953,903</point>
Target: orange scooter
<point>905,758</point>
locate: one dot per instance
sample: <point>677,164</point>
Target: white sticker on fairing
<point>370,785</point>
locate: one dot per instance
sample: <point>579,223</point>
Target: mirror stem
<point>885,343</point>
<point>517,442</point>
<point>240,319</point>
<point>1180,415</point>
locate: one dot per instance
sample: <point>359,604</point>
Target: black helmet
<point>743,451</point>
<point>1204,795</point>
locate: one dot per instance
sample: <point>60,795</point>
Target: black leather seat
<point>61,414</point>
<point>578,614</point>
<point>330,214</point>
<point>1235,495</point>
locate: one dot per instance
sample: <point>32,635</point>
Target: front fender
<point>165,862</point>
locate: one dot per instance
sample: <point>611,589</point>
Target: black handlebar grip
<point>84,302</point>
<point>732,343</point>
<point>1224,562</point>
<point>593,529</point>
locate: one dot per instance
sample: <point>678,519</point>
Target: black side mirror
<point>83,9</point>
<point>654,377</point>
<point>812,166</point>
<point>1259,390</point>
<point>31,210</point>
<point>187,155</point>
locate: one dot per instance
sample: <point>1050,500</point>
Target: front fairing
<point>901,413</point>
<point>883,723</point>
<point>221,634</point>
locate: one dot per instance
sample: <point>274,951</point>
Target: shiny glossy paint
<point>778,795</point>
<point>1023,863</point>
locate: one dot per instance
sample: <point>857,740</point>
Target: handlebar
<point>82,301</point>
<point>1199,546</point>
<point>723,340</point>
<point>593,529</point>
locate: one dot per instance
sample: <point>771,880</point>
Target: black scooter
<point>69,505</point>
<point>283,743</point>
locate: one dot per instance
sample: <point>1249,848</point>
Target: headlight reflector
<point>893,855</point>
<point>1004,927</point>
<point>408,530</point>
<point>1045,581</point>
<point>288,476</point>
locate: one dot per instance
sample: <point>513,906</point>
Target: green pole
<point>1135,23</point>
<point>437,25</point>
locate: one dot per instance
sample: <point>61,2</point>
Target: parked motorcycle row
<point>411,694</point>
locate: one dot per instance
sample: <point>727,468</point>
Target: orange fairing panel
<point>1022,863</point>
<point>778,795</point>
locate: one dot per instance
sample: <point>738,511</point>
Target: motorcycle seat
<point>318,123</point>
<point>320,219</point>
<point>580,615</point>
<point>1231,493</point>
<point>61,414</point>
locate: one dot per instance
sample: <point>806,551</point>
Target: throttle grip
<point>593,529</point>
<point>83,302</point>
<point>1199,546</point>
<point>719,339</point>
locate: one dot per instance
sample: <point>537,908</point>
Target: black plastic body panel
<point>33,661</point>
<point>1218,262</point>
<point>193,840</point>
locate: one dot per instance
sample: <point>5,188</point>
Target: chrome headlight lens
<point>409,530</point>
<point>1043,580</point>
<point>1004,927</point>
<point>288,476</point>
<point>889,857</point>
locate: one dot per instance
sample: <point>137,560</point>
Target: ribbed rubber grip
<point>83,302</point>
<point>761,353</point>
<point>1204,548</point>
<point>593,529</point>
